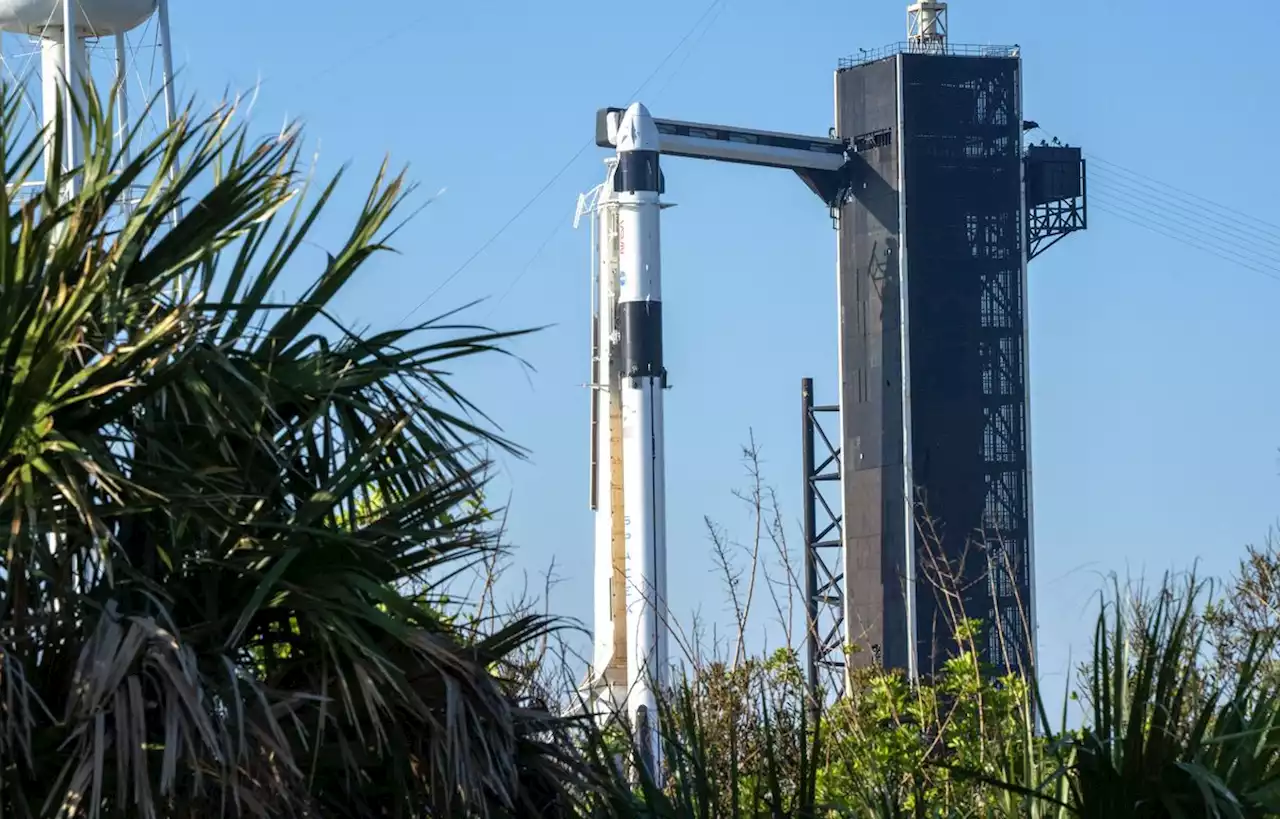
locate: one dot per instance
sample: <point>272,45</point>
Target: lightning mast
<point>927,26</point>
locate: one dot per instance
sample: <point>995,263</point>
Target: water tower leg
<point>122,98</point>
<point>170,98</point>
<point>57,61</point>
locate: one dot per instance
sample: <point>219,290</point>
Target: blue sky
<point>1153,402</point>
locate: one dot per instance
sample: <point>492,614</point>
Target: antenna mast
<point>927,26</point>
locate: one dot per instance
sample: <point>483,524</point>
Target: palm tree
<point>1165,739</point>
<point>229,519</point>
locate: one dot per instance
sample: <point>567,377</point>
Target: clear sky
<point>1154,392</point>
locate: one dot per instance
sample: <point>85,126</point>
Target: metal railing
<point>910,47</point>
<point>24,192</point>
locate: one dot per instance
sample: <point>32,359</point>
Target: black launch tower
<point>944,209</point>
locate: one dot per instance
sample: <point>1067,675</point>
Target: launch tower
<point>943,213</point>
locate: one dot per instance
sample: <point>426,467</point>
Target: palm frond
<point>222,513</point>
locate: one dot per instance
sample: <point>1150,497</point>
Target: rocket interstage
<point>637,187</point>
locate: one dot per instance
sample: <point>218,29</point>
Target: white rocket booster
<point>630,662</point>
<point>629,496</point>
<point>637,188</point>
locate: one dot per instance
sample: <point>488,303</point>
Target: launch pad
<point>938,207</point>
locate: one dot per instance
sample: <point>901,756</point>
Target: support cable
<point>1197,219</point>
<point>563,169</point>
<point>1227,233</point>
<point>560,223</point>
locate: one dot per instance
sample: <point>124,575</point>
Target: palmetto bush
<point>1164,736</point>
<point>227,518</point>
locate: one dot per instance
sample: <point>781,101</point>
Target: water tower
<point>64,29</point>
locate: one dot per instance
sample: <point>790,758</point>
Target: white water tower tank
<point>93,17</point>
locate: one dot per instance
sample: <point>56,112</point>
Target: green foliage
<point>911,746</point>
<point>737,742</point>
<point>1249,608</point>
<point>1161,739</point>
<point>228,518</point>
<point>741,741</point>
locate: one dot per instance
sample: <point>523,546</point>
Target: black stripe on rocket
<point>638,171</point>
<point>640,323</point>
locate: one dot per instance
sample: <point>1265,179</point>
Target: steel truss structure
<point>968,397</point>
<point>1057,195</point>
<point>823,547</point>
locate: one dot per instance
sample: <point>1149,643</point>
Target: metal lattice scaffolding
<point>823,549</point>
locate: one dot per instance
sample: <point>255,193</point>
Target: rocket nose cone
<point>637,132</point>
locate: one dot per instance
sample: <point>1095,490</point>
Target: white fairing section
<point>93,17</point>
